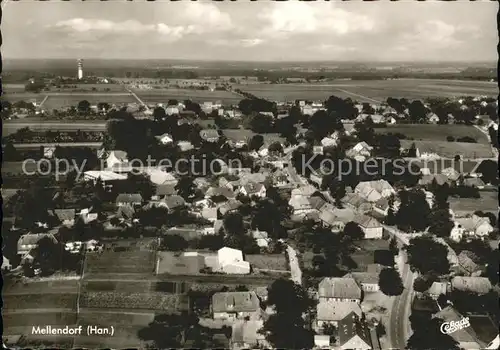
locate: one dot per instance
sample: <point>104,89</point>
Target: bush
<point>450,138</point>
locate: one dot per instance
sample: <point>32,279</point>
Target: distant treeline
<point>21,76</point>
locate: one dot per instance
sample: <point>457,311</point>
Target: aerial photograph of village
<point>250,175</point>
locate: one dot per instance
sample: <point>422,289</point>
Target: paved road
<point>296,272</point>
<point>493,149</point>
<point>399,325</point>
<point>137,98</point>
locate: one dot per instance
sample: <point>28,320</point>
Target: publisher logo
<point>453,326</point>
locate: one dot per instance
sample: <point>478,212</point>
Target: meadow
<point>139,262</point>
<point>200,96</point>
<point>372,91</point>
<point>435,132</point>
<point>487,203</point>
<point>58,100</point>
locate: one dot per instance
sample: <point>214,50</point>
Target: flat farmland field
<point>435,132</point>
<point>38,124</point>
<point>139,262</point>
<point>40,287</point>
<point>120,286</point>
<point>125,300</point>
<point>62,100</point>
<point>90,87</point>
<point>372,90</point>
<point>23,96</point>
<point>12,88</point>
<point>488,202</point>
<point>200,96</point>
<point>246,135</point>
<point>21,318</point>
<point>35,301</point>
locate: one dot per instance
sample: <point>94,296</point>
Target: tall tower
<point>80,69</point>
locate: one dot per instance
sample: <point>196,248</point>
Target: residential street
<point>294,265</point>
<point>399,325</point>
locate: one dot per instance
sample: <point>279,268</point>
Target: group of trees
<point>428,256</point>
<point>412,201</point>
<point>286,328</point>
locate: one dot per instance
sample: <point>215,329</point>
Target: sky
<point>252,31</point>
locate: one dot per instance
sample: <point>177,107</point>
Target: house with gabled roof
<point>234,305</point>
<point>335,218</point>
<point>354,333</point>
<point>133,199</point>
<point>465,337</point>
<point>359,203</point>
<point>116,158</point>
<point>475,226</point>
<point>165,139</point>
<point>370,226</point>
<point>478,285</point>
<point>209,135</point>
<point>339,289</point>
<point>329,311</point>
<point>65,216</point>
<point>30,241</point>
<point>367,280</point>
<point>253,189</point>
<point>372,191</point>
<point>229,206</point>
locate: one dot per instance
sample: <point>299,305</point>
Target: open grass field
<point>54,286</point>
<point>12,88</point>
<point>90,88</point>
<point>53,300</point>
<point>447,149</point>
<point>200,96</point>
<point>38,124</point>
<point>23,96</point>
<point>140,262</point>
<point>372,90</point>
<point>245,135</point>
<point>22,318</point>
<point>267,261</point>
<point>435,132</point>
<point>58,100</point>
<point>488,202</point>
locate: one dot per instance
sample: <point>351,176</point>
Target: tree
<point>174,243</point>
<point>441,222</point>
<point>261,123</point>
<point>413,201</point>
<point>83,106</point>
<point>417,111</point>
<point>353,231</point>
<point>427,335</point>
<point>329,329</point>
<point>428,256</point>
<point>159,113</point>
<point>275,147</point>
<point>256,142</point>
<point>185,188</point>
<point>233,224</point>
<point>489,171</point>
<point>421,284</point>
<point>286,328</point>
<point>173,330</point>
<point>390,282</point>
<point>393,246</point>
